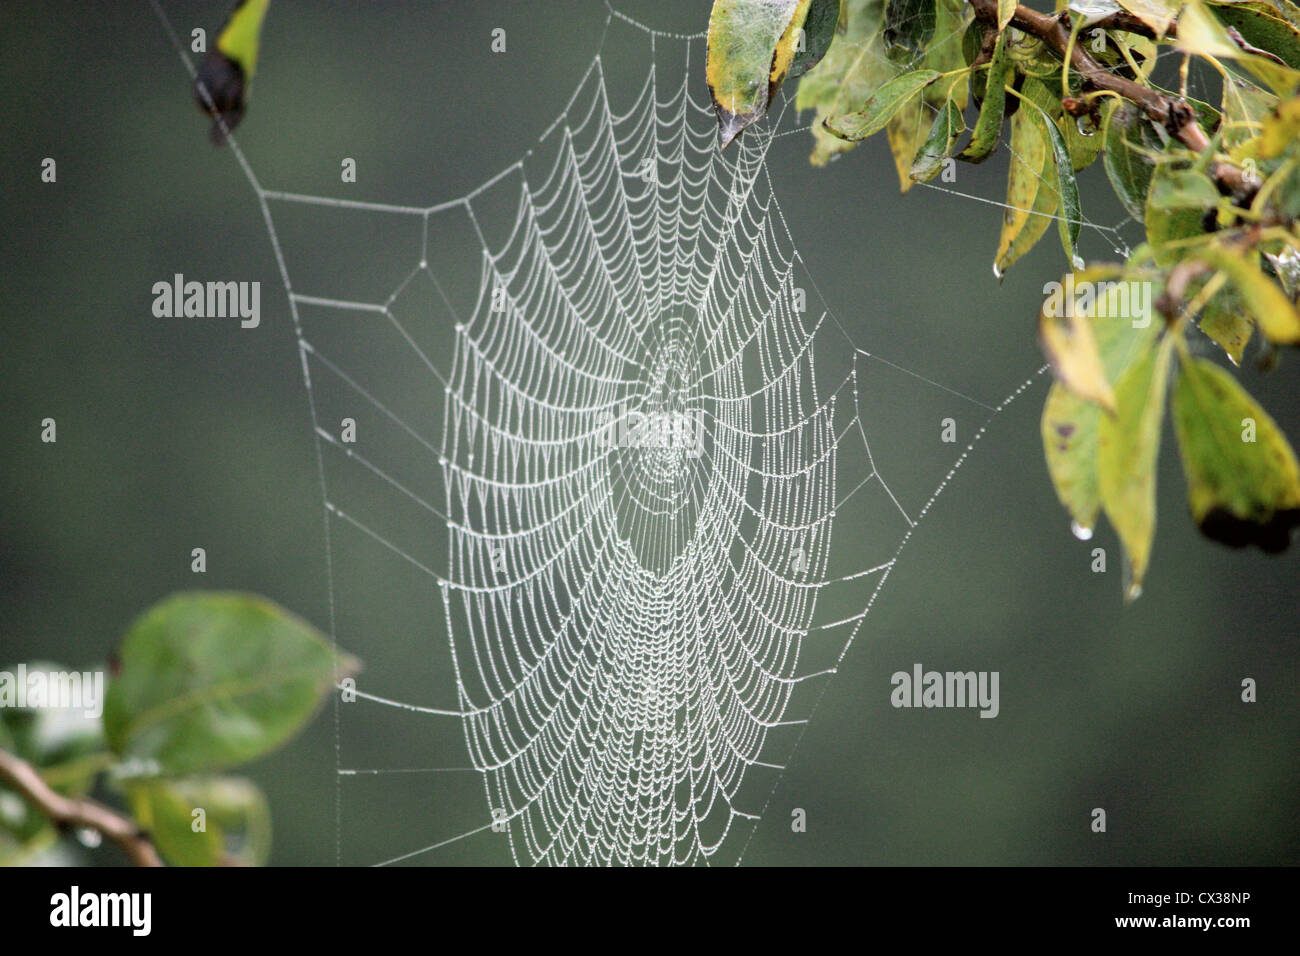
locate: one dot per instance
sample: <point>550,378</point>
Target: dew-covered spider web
<point>590,441</point>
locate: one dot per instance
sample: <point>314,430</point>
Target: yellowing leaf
<point>1243,482</point>
<point>906,133</point>
<point>1069,427</point>
<point>753,46</point>
<point>1264,299</point>
<point>236,820</point>
<point>1123,324</point>
<point>1123,316</point>
<point>1031,196</point>
<point>224,77</point>
<point>1200,33</point>
<point>1067,339</point>
<point>1128,446</point>
<point>1006,10</point>
<point>1224,320</point>
<point>742,52</point>
<point>1280,129</point>
<point>241,36</point>
<point>1066,186</point>
<point>1157,14</point>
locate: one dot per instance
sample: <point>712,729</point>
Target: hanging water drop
<point>1081,531</point>
<point>89,837</point>
<point>1079,263</point>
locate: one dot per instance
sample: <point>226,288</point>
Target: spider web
<point>602,430</point>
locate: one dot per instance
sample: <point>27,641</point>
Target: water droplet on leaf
<point>1081,531</point>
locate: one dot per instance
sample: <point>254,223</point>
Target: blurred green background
<point>179,434</point>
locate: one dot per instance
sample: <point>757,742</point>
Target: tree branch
<point>67,812</point>
<point>1174,114</point>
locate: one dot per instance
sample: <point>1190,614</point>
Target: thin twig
<point>68,812</point>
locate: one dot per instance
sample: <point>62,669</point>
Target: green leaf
<point>1086,147</point>
<point>856,66</point>
<point>1183,189</point>
<point>1129,139</point>
<point>881,107</point>
<point>1240,491</point>
<point>948,126</point>
<point>819,24</point>
<point>1175,210</point>
<point>945,52</point>
<point>988,126</point>
<point>204,821</point>
<point>1262,26</point>
<point>1264,299</point>
<point>909,26</point>
<point>210,680</point>
<point>1201,33</point>
<point>972,39</point>
<point>1128,447</point>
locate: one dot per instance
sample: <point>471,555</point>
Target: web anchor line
<point>626,671</point>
